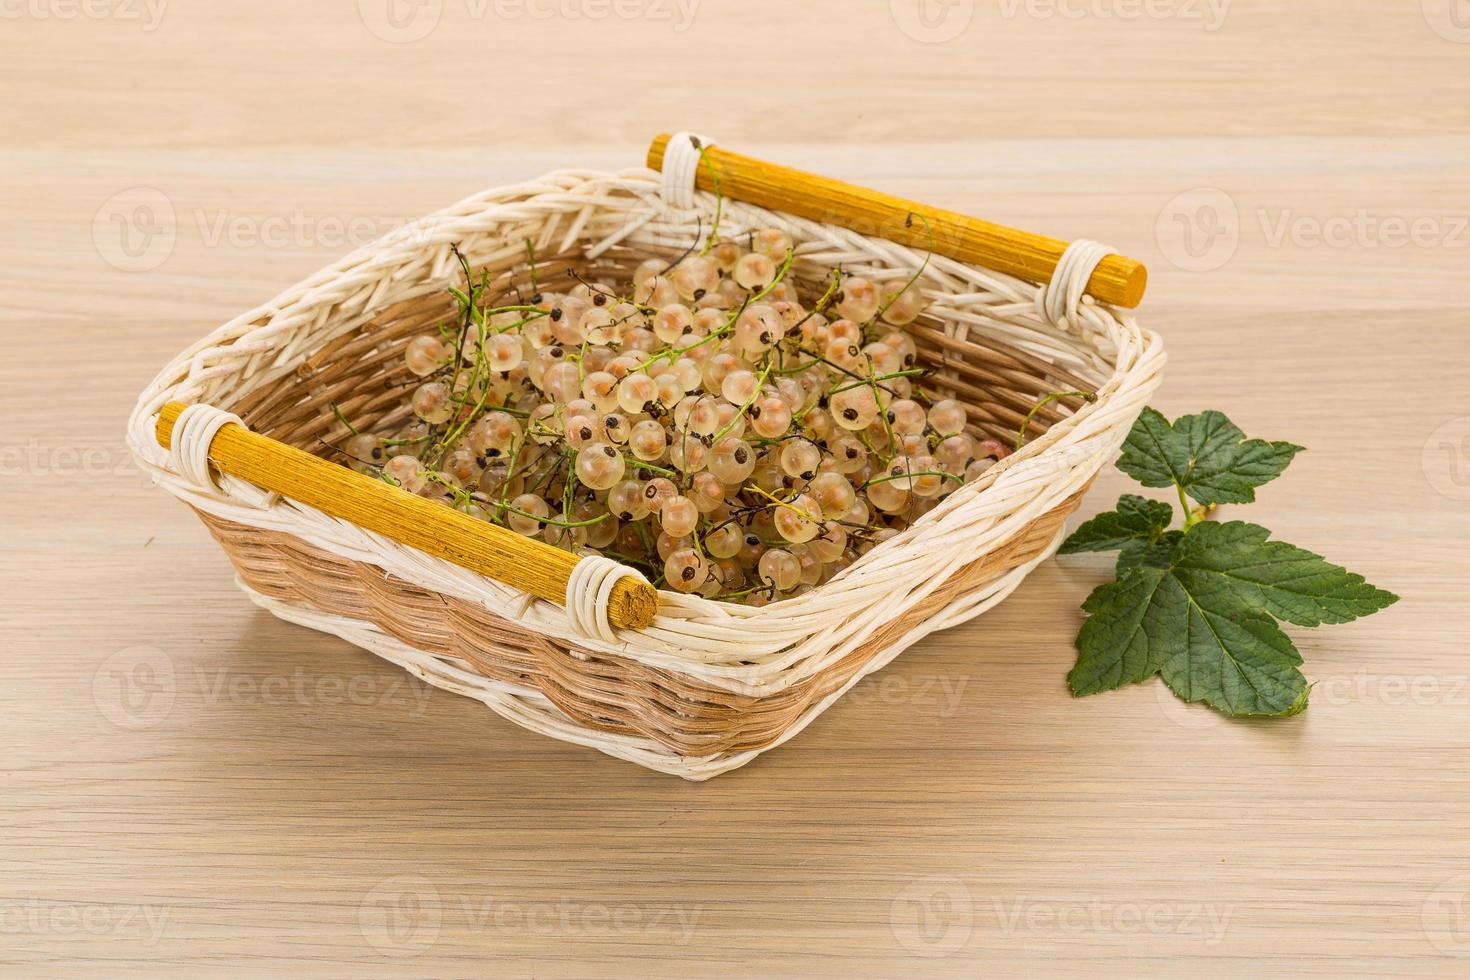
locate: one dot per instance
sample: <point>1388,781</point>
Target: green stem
<point>1054,396</point>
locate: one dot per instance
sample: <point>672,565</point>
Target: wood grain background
<point>189,786</point>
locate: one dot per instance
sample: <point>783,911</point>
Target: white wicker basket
<point>708,685</point>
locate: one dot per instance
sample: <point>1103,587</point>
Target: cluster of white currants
<point>702,424</point>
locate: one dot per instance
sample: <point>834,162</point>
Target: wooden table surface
<point>190,786</point>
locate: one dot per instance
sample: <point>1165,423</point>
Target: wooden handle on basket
<point>529,565</point>
<point>1118,280</point>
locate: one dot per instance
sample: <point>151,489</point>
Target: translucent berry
<point>533,511</point>
<point>656,291</point>
<point>955,452</point>
<point>906,416</point>
<point>582,430</point>
<point>695,277</point>
<point>494,435</point>
<point>704,416</point>
<point>926,480</point>
<point>426,354</point>
<point>992,448</point>
<point>503,352</point>
<point>947,417</point>
<point>800,458</point>
<point>685,570</point>
<point>725,255</point>
<point>887,496</point>
<point>635,392</point>
<point>855,408</point>
<point>833,494</point>
<point>732,461</point>
<point>707,492</point>
<point>740,387</point>
<point>601,389</point>
<point>800,521</point>
<point>600,466</point>
<point>648,441</point>
<point>779,567</point>
<point>759,329</point>
<point>770,417</point>
<point>563,382</point>
<point>773,243</point>
<point>672,322</point>
<point>431,402</point>
<point>755,271</point>
<point>407,472</point>
<point>724,541</point>
<point>860,299</point>
<point>566,538</point>
<point>614,428</point>
<point>657,491</point>
<point>688,455</point>
<point>678,515</point>
<point>366,452</point>
<point>626,502</point>
<point>903,305</point>
<point>829,545</point>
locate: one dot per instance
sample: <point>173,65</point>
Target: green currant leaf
<point>1288,582</point>
<point>1154,554</point>
<point>1206,455</point>
<point>1240,663</point>
<point>1114,647</point>
<point>1137,520</point>
<point>1152,454</point>
<point>1206,643</point>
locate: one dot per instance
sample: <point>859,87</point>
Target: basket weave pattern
<point>709,685</point>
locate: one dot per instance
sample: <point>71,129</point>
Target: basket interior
<point>362,372</point>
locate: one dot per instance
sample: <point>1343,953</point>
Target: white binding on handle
<point>194,433</point>
<point>1059,299</point>
<point>681,168</point>
<point>588,590</point>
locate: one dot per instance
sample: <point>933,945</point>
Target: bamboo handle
<point>1118,280</point>
<point>529,565</point>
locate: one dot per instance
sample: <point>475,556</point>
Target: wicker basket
<point>706,686</point>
